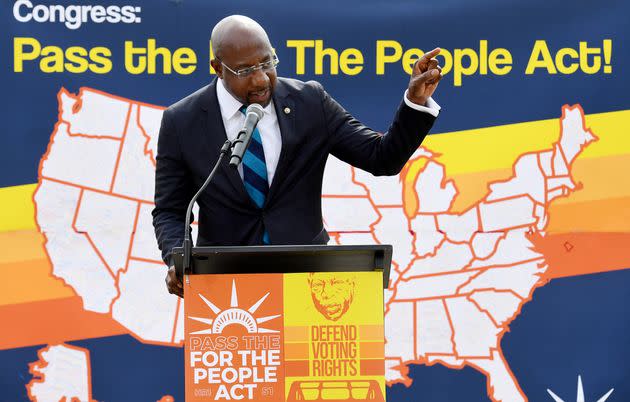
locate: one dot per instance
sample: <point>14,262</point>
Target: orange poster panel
<point>234,338</point>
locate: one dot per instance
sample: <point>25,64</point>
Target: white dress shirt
<point>268,126</point>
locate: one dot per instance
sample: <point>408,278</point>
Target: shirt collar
<point>229,105</point>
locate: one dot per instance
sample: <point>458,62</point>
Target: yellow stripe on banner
<point>498,147</point>
<point>612,130</point>
<point>17,211</point>
<point>483,155</point>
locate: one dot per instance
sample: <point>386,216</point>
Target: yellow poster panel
<point>333,336</point>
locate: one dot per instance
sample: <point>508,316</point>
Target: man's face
<point>256,87</point>
<point>332,293</point>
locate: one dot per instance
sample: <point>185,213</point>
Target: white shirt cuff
<point>431,107</point>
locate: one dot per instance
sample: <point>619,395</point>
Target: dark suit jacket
<point>192,134</point>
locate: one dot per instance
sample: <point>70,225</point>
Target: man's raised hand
<point>425,77</point>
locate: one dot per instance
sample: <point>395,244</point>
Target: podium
<point>285,323</point>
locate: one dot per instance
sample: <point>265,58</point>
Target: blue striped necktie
<point>255,172</point>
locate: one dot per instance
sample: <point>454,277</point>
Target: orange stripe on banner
<point>297,368</point>
<point>597,216</point>
<point>29,281</point>
<point>296,351</point>
<point>592,175</point>
<point>52,321</point>
<point>583,253</point>
<point>372,350</point>
<point>21,245</point>
<point>372,367</point>
<point>473,187</point>
<point>371,333</point>
<point>589,172</point>
<point>296,334</point>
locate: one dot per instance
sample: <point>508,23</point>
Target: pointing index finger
<point>429,55</point>
<point>423,62</point>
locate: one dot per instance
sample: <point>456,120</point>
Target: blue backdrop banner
<point>510,224</point>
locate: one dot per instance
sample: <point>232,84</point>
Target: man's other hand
<point>425,77</point>
<point>173,284</point>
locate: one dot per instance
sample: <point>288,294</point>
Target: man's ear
<point>218,67</point>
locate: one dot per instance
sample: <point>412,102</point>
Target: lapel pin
<point>287,110</point>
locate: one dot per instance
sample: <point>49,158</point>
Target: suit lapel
<point>216,132</point>
<point>285,111</point>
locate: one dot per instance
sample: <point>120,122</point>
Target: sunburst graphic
<point>234,315</point>
<point>580,393</point>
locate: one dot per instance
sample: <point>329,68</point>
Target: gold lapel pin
<point>287,110</point>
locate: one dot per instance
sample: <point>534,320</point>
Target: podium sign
<point>284,337</point>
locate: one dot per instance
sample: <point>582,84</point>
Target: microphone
<point>253,114</point>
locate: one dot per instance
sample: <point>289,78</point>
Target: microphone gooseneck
<point>187,244</point>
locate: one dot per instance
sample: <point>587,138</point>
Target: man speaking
<point>275,195</point>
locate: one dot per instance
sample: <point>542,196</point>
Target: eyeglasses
<point>246,72</point>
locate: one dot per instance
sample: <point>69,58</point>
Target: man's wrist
<point>430,105</point>
<point>416,101</point>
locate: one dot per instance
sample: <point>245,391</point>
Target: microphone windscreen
<point>255,108</point>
